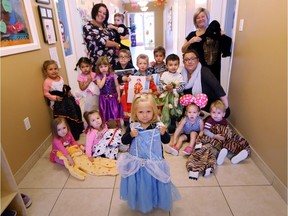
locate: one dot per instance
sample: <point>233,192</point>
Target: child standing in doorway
<point>109,99</point>
<point>145,176</point>
<point>60,98</point>
<point>86,81</point>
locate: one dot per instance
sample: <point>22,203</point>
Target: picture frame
<point>43,1</point>
<point>26,37</point>
<point>47,24</point>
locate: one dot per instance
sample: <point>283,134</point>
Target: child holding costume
<point>109,99</point>
<point>145,176</point>
<point>191,125</point>
<point>170,86</point>
<point>62,138</point>
<point>124,67</point>
<point>94,133</point>
<point>61,99</point>
<point>86,81</point>
<point>150,87</point>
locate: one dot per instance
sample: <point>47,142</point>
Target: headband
<point>200,100</point>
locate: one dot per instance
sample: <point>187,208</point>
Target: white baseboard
<point>268,173</point>
<point>22,172</point>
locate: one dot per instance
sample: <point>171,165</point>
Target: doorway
<point>142,34</point>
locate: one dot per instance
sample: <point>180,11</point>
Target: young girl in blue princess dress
<point>145,175</point>
<point>109,99</point>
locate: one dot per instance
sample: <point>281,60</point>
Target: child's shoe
<point>221,156</point>
<point>198,146</point>
<point>27,201</point>
<point>187,150</point>
<point>207,172</point>
<point>242,155</point>
<point>171,150</point>
<point>193,175</point>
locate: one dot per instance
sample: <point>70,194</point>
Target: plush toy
<point>83,166</point>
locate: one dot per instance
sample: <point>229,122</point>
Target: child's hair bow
<point>200,100</point>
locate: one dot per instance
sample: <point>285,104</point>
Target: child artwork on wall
<point>137,85</point>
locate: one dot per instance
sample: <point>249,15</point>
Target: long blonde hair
<point>138,98</point>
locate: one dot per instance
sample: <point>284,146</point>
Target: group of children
<point>143,168</point>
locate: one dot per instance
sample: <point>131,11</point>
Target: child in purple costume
<point>109,99</point>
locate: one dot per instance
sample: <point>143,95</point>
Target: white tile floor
<point>233,190</point>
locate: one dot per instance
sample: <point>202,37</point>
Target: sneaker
<point>27,201</point>
<point>171,150</point>
<point>242,155</point>
<point>188,150</point>
<point>193,175</point>
<point>208,171</point>
<point>221,156</point>
<point>198,146</point>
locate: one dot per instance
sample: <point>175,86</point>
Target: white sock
<point>242,155</point>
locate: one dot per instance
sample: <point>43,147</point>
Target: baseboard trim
<point>268,173</point>
<point>27,166</point>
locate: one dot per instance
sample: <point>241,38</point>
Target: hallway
<point>233,190</point>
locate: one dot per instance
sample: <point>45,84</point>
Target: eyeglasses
<point>193,59</point>
<point>123,57</point>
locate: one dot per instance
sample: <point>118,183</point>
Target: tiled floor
<point>233,190</point>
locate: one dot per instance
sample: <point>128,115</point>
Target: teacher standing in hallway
<point>99,39</point>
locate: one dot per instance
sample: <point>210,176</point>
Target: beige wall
<point>158,17</point>
<point>21,88</point>
<point>258,88</point>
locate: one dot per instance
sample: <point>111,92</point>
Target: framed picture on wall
<point>18,30</point>
<point>47,24</point>
<point>43,1</point>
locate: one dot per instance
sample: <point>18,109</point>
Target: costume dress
<point>172,109</point>
<point>91,93</point>
<point>211,47</point>
<point>149,87</point>
<point>109,106</point>
<point>145,175</point>
<point>96,39</point>
<point>67,108</point>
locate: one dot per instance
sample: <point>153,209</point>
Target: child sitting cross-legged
<point>191,125</point>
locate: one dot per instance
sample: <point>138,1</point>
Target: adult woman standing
<point>100,40</point>
<point>209,41</point>
<point>201,20</point>
<point>199,79</point>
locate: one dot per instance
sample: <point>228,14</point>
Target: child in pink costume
<point>62,138</point>
<point>87,84</point>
